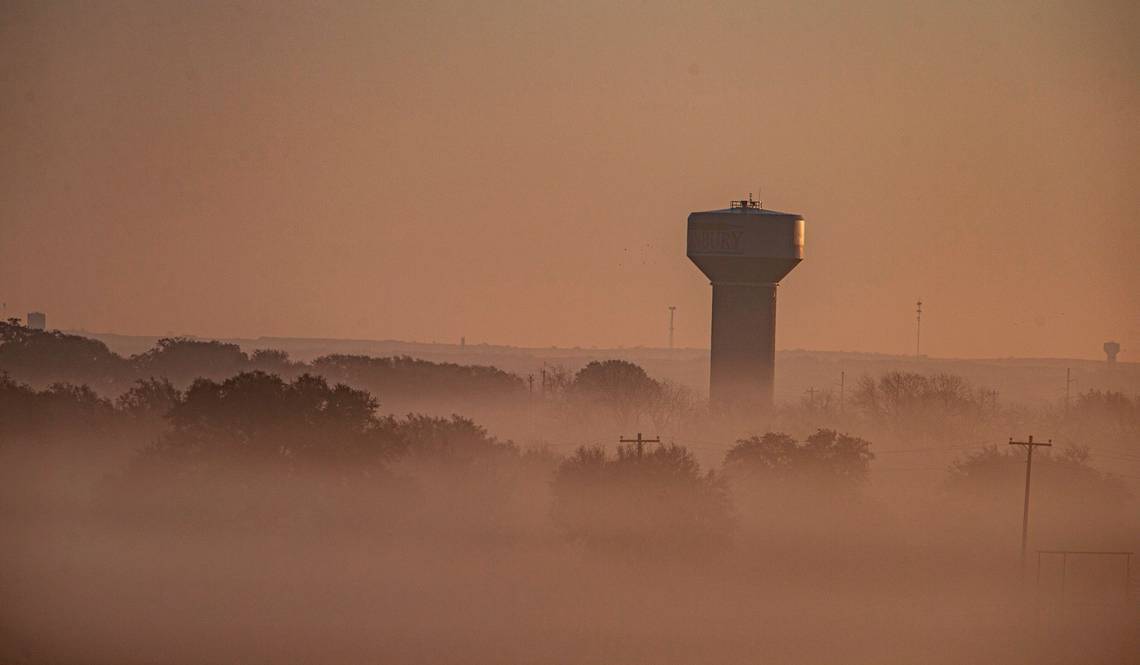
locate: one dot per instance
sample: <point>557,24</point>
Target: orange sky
<point>521,173</point>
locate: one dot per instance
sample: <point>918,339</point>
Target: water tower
<point>745,251</point>
<point>1110,350</point>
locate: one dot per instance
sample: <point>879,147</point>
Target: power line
<point>1124,458</point>
<point>1069,380</point>
<point>672,310</point>
<point>929,450</point>
<point>1124,452</point>
<point>918,329</point>
<point>842,385</point>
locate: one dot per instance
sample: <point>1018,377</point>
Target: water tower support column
<point>743,362</point>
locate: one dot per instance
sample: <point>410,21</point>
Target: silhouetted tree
<point>55,445</point>
<point>657,501</point>
<point>41,358</point>
<point>827,458</point>
<point>257,416</point>
<point>255,447</point>
<point>992,472</point>
<point>920,407</point>
<point>618,386</point>
<point>902,395</point>
<point>670,406</point>
<point>455,441</point>
<point>462,479</point>
<point>799,498</point>
<point>181,360</point>
<point>145,407</point>
<point>273,361</point>
<point>402,380</point>
<point>1108,414</point>
<point>149,398</point>
<point>1072,502</point>
<point>62,417</point>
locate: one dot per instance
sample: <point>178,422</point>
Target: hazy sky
<point>521,173</point>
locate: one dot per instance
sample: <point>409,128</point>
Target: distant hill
<point>1026,380</point>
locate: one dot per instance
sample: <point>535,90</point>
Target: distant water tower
<point>745,251</point>
<point>1110,350</point>
<point>37,320</point>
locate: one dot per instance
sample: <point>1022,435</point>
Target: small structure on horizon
<point>1110,350</point>
<point>37,320</point>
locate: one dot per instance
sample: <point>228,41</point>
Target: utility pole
<point>842,380</point>
<point>640,442</point>
<point>1068,381</point>
<point>918,329</point>
<point>672,309</point>
<point>1029,446</point>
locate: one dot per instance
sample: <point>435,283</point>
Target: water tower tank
<point>745,251</point>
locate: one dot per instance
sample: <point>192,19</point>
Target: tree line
<point>41,358</point>
<point>260,451</point>
<point>896,406</point>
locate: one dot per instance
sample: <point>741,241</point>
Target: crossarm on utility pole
<point>640,442</point>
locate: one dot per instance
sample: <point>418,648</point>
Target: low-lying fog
<point>267,514</point>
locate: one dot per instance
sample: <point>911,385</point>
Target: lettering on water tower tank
<point>707,241</point>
